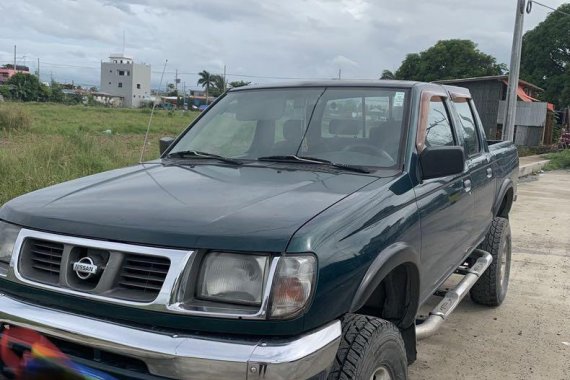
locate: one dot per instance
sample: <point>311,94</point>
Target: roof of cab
<point>333,83</point>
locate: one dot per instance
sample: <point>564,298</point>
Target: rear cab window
<point>467,126</point>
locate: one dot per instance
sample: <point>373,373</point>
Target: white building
<point>126,79</point>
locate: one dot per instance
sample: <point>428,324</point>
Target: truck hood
<point>203,206</point>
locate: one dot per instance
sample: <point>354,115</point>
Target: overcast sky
<point>264,38</point>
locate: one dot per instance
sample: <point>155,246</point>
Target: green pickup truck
<point>292,231</point>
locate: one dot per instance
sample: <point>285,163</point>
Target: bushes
<point>559,160</point>
<point>13,117</point>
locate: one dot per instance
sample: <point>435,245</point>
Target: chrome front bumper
<point>186,356</point>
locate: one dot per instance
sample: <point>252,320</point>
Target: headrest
<point>293,130</point>
<point>345,126</point>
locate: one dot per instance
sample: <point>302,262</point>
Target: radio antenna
<point>143,150</point>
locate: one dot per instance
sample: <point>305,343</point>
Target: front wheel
<point>371,349</point>
<point>491,288</point>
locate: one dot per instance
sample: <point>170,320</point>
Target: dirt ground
<point>528,337</point>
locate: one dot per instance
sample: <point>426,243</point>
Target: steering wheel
<point>367,149</point>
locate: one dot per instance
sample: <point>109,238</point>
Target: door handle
<point>467,185</point>
<point>489,173</point>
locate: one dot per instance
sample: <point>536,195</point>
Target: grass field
<point>59,143</point>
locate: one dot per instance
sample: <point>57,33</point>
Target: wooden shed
<point>534,122</point>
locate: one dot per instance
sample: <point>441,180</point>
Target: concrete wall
<point>124,80</point>
<point>141,84</point>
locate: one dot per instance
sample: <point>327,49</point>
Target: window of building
<point>128,73</point>
<point>439,132</point>
<point>138,86</point>
<point>111,71</point>
<point>471,140</point>
<point>121,73</point>
<point>120,84</point>
<point>109,82</point>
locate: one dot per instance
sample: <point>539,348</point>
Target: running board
<point>454,296</point>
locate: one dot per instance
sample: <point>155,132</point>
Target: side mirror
<point>165,143</point>
<point>442,161</point>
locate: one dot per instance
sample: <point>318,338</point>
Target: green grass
<point>66,142</point>
<point>558,160</point>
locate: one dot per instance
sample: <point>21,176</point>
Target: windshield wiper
<point>313,160</point>
<point>198,154</point>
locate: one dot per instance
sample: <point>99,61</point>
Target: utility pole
<point>15,68</point>
<point>184,105</point>
<point>39,77</point>
<point>511,104</point>
<point>224,78</point>
<point>339,74</point>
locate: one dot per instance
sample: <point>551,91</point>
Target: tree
<point>387,74</point>
<point>545,57</point>
<point>24,87</point>
<point>56,95</point>
<point>219,85</point>
<point>448,59</point>
<point>171,90</point>
<point>206,81</point>
<point>239,83</point>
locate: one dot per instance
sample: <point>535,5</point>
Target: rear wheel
<point>371,349</point>
<point>491,288</point>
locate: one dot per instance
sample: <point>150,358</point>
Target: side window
<point>468,127</point>
<point>439,132</point>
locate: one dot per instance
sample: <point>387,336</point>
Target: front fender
<point>392,257</point>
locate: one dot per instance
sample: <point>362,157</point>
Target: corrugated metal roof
<point>487,78</point>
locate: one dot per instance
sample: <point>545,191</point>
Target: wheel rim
<point>381,373</point>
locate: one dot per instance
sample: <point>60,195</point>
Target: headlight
<point>232,278</point>
<point>292,285</point>
<point>8,235</point>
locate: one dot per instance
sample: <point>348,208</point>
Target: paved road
<point>528,337</point>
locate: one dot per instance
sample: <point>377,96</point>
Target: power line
<point>185,73</point>
<point>545,6</point>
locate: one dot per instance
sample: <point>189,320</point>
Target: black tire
<point>369,345</point>
<point>491,288</point>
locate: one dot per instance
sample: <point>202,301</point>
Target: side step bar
<point>454,296</point>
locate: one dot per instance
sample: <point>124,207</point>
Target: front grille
<point>87,269</point>
<point>142,277</point>
<point>41,261</point>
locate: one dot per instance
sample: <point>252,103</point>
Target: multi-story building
<point>7,71</point>
<point>120,76</point>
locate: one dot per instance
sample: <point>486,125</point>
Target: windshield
<point>351,126</point>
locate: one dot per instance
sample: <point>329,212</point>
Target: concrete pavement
<point>528,337</point>
<point>531,164</point>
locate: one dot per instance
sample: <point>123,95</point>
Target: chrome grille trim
<point>179,259</point>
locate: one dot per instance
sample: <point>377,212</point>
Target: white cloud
<point>294,38</point>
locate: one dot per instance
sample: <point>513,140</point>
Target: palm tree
<point>206,80</point>
<point>219,84</point>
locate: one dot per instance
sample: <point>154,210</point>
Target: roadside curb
<point>531,168</point>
